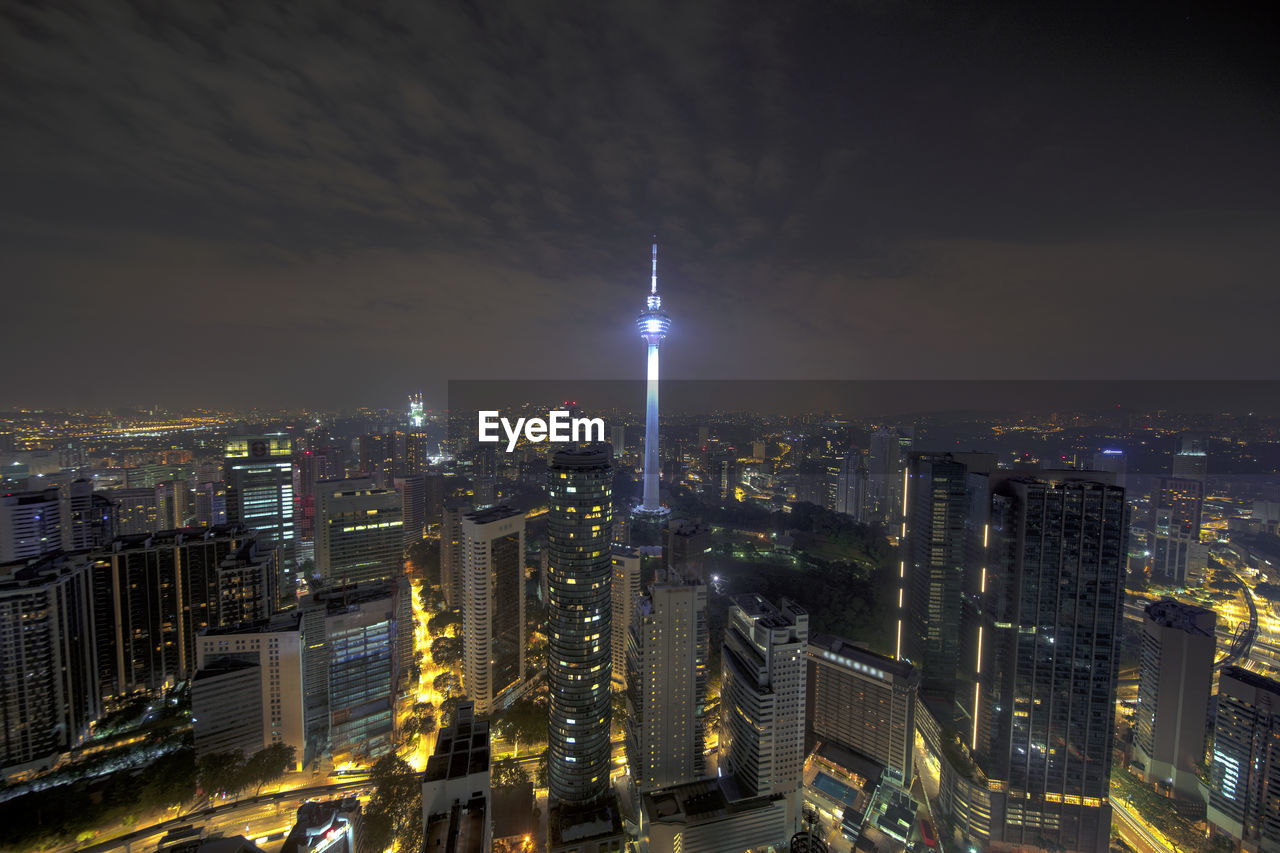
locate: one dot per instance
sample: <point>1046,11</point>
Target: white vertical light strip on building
<point>976,699</point>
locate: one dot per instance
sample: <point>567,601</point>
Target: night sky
<point>329,204</point>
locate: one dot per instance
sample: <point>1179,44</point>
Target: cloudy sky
<point>331,204</point>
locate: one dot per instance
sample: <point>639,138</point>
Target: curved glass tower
<point>580,571</point>
<point>653,324</point>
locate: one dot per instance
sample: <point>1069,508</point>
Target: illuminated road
<point>1134,832</point>
<point>263,815</point>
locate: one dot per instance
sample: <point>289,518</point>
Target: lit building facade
<point>49,685</point>
<point>624,591</point>
<point>580,659</point>
<point>258,471</point>
<point>359,531</point>
<point>762,697</point>
<point>1244,770</point>
<point>493,612</point>
<point>1175,675</point>
<point>666,661</point>
<point>864,702</point>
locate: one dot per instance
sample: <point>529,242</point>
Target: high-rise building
<point>666,664</point>
<point>90,519</point>
<point>1191,462</point>
<point>359,531</point>
<point>623,593</point>
<point>49,685</point>
<point>762,697</point>
<point>362,645</point>
<point>456,811</point>
<point>226,708</point>
<point>378,457</point>
<point>259,477</point>
<point>272,649</point>
<point>653,324</point>
<point>945,507</point>
<point>135,511</point>
<point>451,549</point>
<point>211,504</point>
<point>618,439</point>
<point>413,507</point>
<point>152,596</point>
<point>886,459</point>
<point>30,524</point>
<point>580,659</point>
<point>708,816</point>
<point>864,702</point>
<point>1039,662</point>
<point>1244,771</point>
<point>687,545</point>
<point>1112,461</point>
<point>493,624</point>
<point>173,504</point>
<point>1176,507</point>
<point>851,485</point>
<point>1175,674</point>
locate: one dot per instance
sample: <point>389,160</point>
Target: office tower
<point>247,584</point>
<point>618,438</point>
<point>1039,666</point>
<point>435,491</point>
<point>271,651</point>
<point>335,826</point>
<point>211,504</point>
<point>30,524</point>
<point>361,641</point>
<point>226,708</point>
<point>378,457</point>
<point>417,458</point>
<point>653,324</point>
<point>259,477</point>
<point>135,511</point>
<point>666,661</point>
<point>762,692</point>
<point>864,702</point>
<point>90,518</point>
<point>172,504</point>
<point>1190,462</point>
<point>49,685</point>
<point>456,787</point>
<point>1244,771</point>
<point>152,596</point>
<point>851,485</point>
<point>887,455</point>
<point>1112,461</point>
<point>413,507</point>
<point>580,657</point>
<point>359,531</point>
<point>623,593</point>
<point>1176,506</point>
<point>935,553</point>
<point>1175,673</point>
<point>493,628</point>
<point>688,542</point>
<point>451,549</point>
<point>484,492</point>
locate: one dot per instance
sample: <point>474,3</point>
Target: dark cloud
<point>347,200</point>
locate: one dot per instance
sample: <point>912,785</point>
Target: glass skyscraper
<point>580,656</point>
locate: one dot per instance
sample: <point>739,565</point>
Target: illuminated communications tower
<point>653,324</point>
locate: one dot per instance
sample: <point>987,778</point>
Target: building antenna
<point>653,286</point>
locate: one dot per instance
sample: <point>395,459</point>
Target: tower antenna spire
<point>653,285</point>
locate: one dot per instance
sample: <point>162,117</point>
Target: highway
<point>1136,835</point>
<point>263,815</point>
